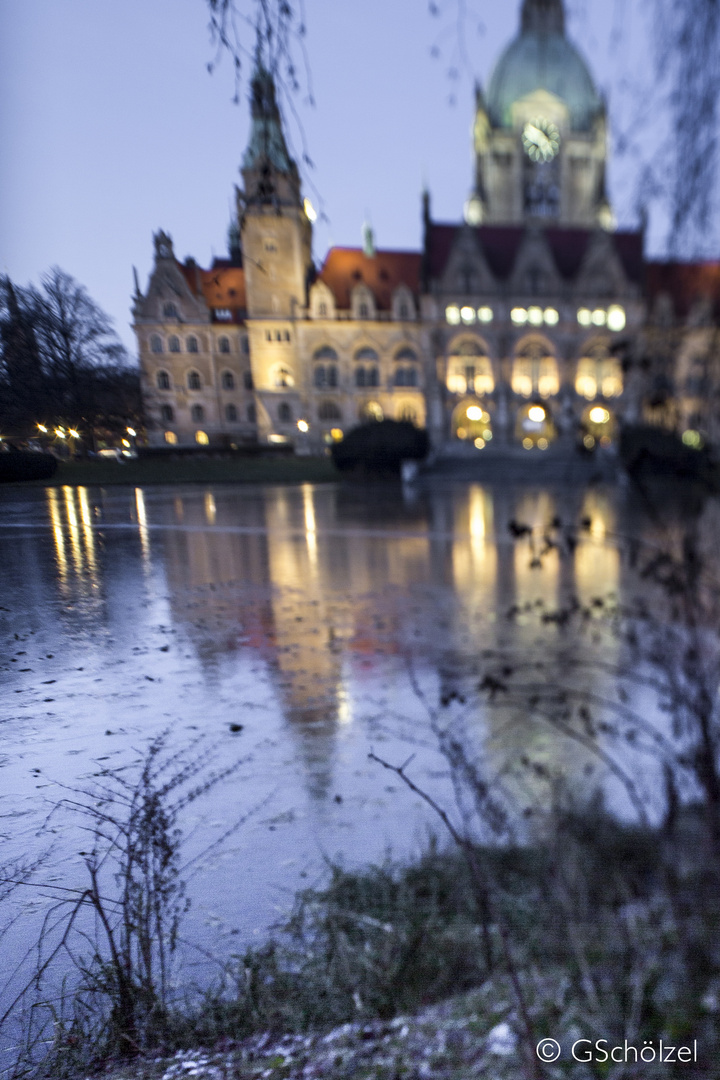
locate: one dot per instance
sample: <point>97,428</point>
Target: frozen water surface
<point>315,617</point>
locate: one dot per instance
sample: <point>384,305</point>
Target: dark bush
<point>26,465</point>
<point>379,448</point>
<point>645,448</point>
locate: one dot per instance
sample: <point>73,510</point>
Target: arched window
<point>360,376</point>
<point>194,381</point>
<point>411,377</point>
<point>167,414</point>
<point>284,377</point>
<point>251,414</point>
<point>363,311</point>
<point>325,352</point>
<point>329,410</point>
<point>247,380</point>
<point>174,344</point>
<point>322,310</point>
<point>319,376</point>
<point>400,376</point>
<point>407,412</point>
<point>371,410</point>
<point>231,414</point>
<point>373,378</point>
<point>228,380</point>
<point>367,354</point>
<point>201,438</point>
<point>405,354</point>
<point>284,413</point>
<point>224,345</point>
<point>332,375</point>
<point>404,311</point>
<point>469,369</point>
<point>598,373</point>
<point>163,380</point>
<point>156,344</point>
<point>192,344</point>
<point>197,414</point>
<point>170,311</point>
<point>535,369</point>
<point>170,438</point>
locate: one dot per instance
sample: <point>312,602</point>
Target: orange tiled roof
<point>222,287</point>
<point>344,268</point>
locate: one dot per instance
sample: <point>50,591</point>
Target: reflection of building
<point>507,327</point>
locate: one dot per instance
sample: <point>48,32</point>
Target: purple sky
<point>112,126</point>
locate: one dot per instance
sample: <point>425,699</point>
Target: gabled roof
<point>685,283</point>
<point>221,287</point>
<point>501,244</point>
<point>383,272</point>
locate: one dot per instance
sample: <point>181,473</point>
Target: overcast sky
<point>112,126</point>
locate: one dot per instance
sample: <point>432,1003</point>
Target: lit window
<point>371,410</point>
<point>194,381</point>
<point>485,314</point>
<point>201,438</point>
<point>283,377</point>
<point>284,413</point>
<point>224,314</point>
<point>519,316</point>
<point>599,317</point>
<point>166,412</point>
<point>156,344</point>
<point>192,344</point>
<point>174,344</point>
<point>231,414</point>
<point>163,380</point>
<point>170,438</point>
<point>224,345</point>
<point>616,318</point>
<point>584,316</point>
<point>467,314</point>
<point>407,413</point>
<point>535,316</point>
<point>228,380</point>
<point>551,316</point>
<point>197,414</point>
<point>452,314</point>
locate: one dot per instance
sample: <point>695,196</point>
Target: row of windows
<point>327,353</point>
<point>328,376</point>
<point>194,380</point>
<point>157,345</point>
<point>197,414</point>
<point>327,411</point>
<point>278,335</point>
<point>363,310</point>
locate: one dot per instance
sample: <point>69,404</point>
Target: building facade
<point>510,327</point>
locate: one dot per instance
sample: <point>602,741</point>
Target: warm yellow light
<point>542,444</point>
<point>522,383</point>
<point>599,317</point>
<point>456,383</point>
<point>41,427</point>
<point>616,318</point>
<point>170,438</point>
<point>487,434</point>
<point>336,433</point>
<point>73,433</point>
<point>551,316</point>
<point>60,434</point>
<point>535,316</point>
<point>461,433</point>
<point>598,415</point>
<point>584,316</point>
<point>202,438</point>
<point>303,425</point>
<point>310,211</point>
<point>588,442</point>
<point>452,314</point>
<point>519,316</point>
<point>536,413</point>
<point>467,314</point>
<point>274,438</point>
<point>528,443</point>
<point>485,314</point>
<point>131,431</point>
<point>480,443</point>
<point>474,413</point>
<point>125,442</point>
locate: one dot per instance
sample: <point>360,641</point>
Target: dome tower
<point>540,131</point>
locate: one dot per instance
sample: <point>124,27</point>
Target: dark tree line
<point>62,365</point>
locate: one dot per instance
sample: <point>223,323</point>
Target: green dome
<point>542,60</point>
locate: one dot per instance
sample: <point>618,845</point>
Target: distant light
<point>693,439</point>
<point>527,443</point>
<point>474,413</point>
<point>487,434</point>
<point>277,438</point>
<point>542,444</point>
<point>588,442</point>
<point>461,433</point>
<point>170,438</point>
<point>452,314</point>
<point>598,415</point>
<point>485,314</point>
<point>599,317</point>
<point>536,413</point>
<point>131,431</point>
<point>584,316</point>
<point>201,438</point>
<point>551,316</point>
<point>616,318</point>
<point>126,443</point>
<point>41,427</point>
<point>337,433</point>
<point>303,425</point>
<point>535,316</point>
<point>480,443</point>
<point>467,314</point>
<point>310,211</point>
<point>60,434</point>
<point>76,434</point>
<point>519,316</point>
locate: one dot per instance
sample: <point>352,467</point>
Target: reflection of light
<point>336,433</point>
<point>477,515</point>
<point>210,508</point>
<point>303,425</point>
<point>142,524</point>
<point>310,527</point>
<point>69,495</point>
<point>474,413</point>
<point>88,534</point>
<point>536,413</point>
<point>598,415</point>
<point>53,506</point>
<point>179,508</point>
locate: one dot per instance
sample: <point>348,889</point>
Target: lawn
<point>240,470</point>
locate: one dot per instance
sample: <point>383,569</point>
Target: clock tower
<point>540,133</point>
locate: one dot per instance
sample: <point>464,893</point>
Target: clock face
<point>541,139</point>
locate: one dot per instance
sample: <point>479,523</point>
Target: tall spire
<point>271,176</point>
<point>543,17</point>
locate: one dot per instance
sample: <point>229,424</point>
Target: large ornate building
<point>507,328</point>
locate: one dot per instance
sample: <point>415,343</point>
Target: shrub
<point>380,448</point>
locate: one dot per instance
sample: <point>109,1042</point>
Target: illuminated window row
<point>468,315</point>
<point>613,317</point>
<point>535,316</point>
